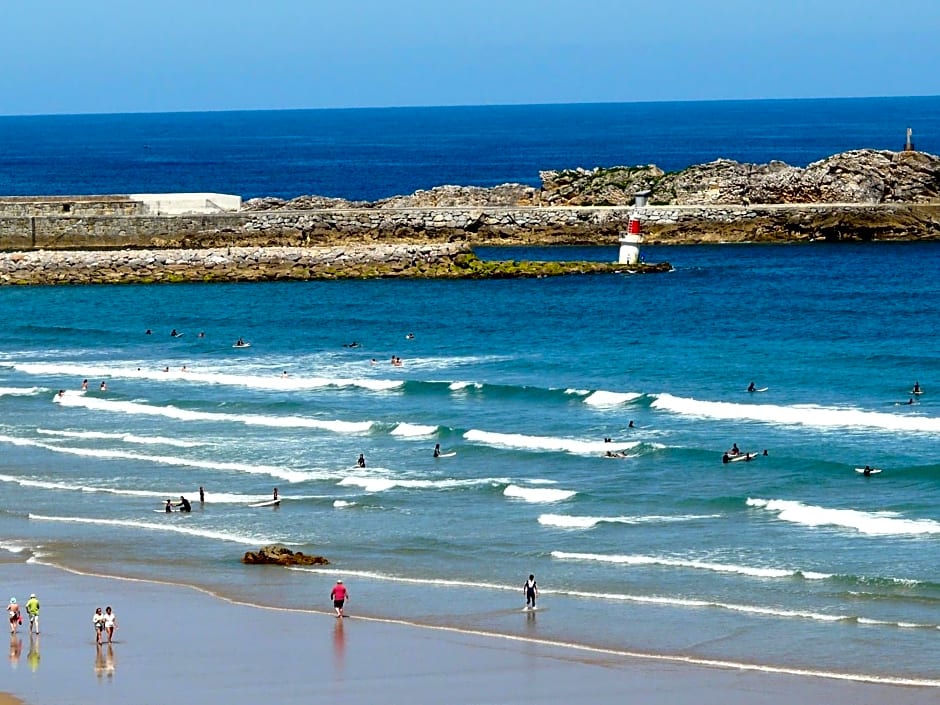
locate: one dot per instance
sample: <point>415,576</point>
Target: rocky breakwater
<point>857,195</point>
<point>441,261</point>
<point>862,195</point>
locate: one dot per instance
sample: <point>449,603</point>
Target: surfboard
<point>451,454</point>
<point>243,345</point>
<point>762,389</point>
<point>164,511</point>
<point>269,503</point>
<point>917,393</point>
<point>742,456</point>
<point>874,471</point>
<point>178,335</point>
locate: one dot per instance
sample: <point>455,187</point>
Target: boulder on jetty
<point>274,554</point>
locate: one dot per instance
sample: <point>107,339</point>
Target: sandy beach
<point>175,642</point>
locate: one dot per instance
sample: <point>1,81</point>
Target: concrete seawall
<point>474,225</point>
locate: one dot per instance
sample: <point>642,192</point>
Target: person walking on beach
<point>110,622</point>
<point>339,595</point>
<point>13,611</point>
<point>32,609</point>
<point>531,591</point>
<point>97,619</point>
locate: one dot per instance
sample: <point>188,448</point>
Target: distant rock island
<point>863,176</point>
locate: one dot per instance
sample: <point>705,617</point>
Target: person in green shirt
<point>32,609</point>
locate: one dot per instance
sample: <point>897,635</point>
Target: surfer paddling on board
<point>531,591</point>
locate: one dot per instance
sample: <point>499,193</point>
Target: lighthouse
<point>631,239</point>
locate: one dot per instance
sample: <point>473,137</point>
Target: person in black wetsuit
<point>751,387</point>
<point>184,505</point>
<point>531,591</point>
<point>362,461</point>
<point>437,450</point>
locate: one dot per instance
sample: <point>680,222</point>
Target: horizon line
<point>455,106</point>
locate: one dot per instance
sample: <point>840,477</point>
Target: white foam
<point>588,522</point>
<point>633,560</point>
<point>410,430</point>
<point>461,386</point>
<point>172,412</point>
<point>383,484</point>
<point>538,495</point>
<point>273,381</point>
<point>21,391</point>
<point>620,597</point>
<point>547,443</point>
<point>172,527</point>
<point>800,415</point>
<point>106,454</point>
<point>125,437</point>
<point>872,523</point>
<point>602,398</point>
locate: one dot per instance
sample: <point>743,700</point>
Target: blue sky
<point>62,56</point>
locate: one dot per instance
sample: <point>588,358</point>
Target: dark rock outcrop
<point>278,555</point>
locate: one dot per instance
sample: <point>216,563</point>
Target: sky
<point>104,56</point>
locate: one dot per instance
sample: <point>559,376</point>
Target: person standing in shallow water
<point>531,590</point>
<point>339,595</point>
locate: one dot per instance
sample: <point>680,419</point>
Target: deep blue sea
<point>646,543</point>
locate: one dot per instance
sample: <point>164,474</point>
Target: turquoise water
<point>791,560</point>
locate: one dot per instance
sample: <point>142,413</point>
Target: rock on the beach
<point>279,555</point>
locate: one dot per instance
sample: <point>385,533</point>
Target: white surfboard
<point>873,471</point>
<point>269,503</point>
<point>742,456</point>
<point>451,454</point>
<point>762,389</point>
<point>243,345</point>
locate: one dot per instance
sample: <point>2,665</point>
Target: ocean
<point>792,560</point>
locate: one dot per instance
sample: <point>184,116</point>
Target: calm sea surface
<point>791,560</point>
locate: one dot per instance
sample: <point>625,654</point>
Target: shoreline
<point>465,665</point>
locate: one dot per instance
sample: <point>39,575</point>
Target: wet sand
<point>177,643</point>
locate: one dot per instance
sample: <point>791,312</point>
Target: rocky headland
<point>861,195</point>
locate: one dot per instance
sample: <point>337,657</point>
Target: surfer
<point>175,333</point>
<point>202,495</point>
<point>531,591</point>
<point>184,504</point>
<point>410,336</point>
<point>725,458</point>
<point>361,462</point>
<point>734,449</point>
<point>867,471</point>
<point>630,425</point>
<point>169,507</point>
<point>84,385</point>
<point>910,401</point>
<point>339,595</point>
<point>275,494</point>
<point>104,386</point>
<point>752,387</point>
<point>916,389</point>
<point>437,450</point>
